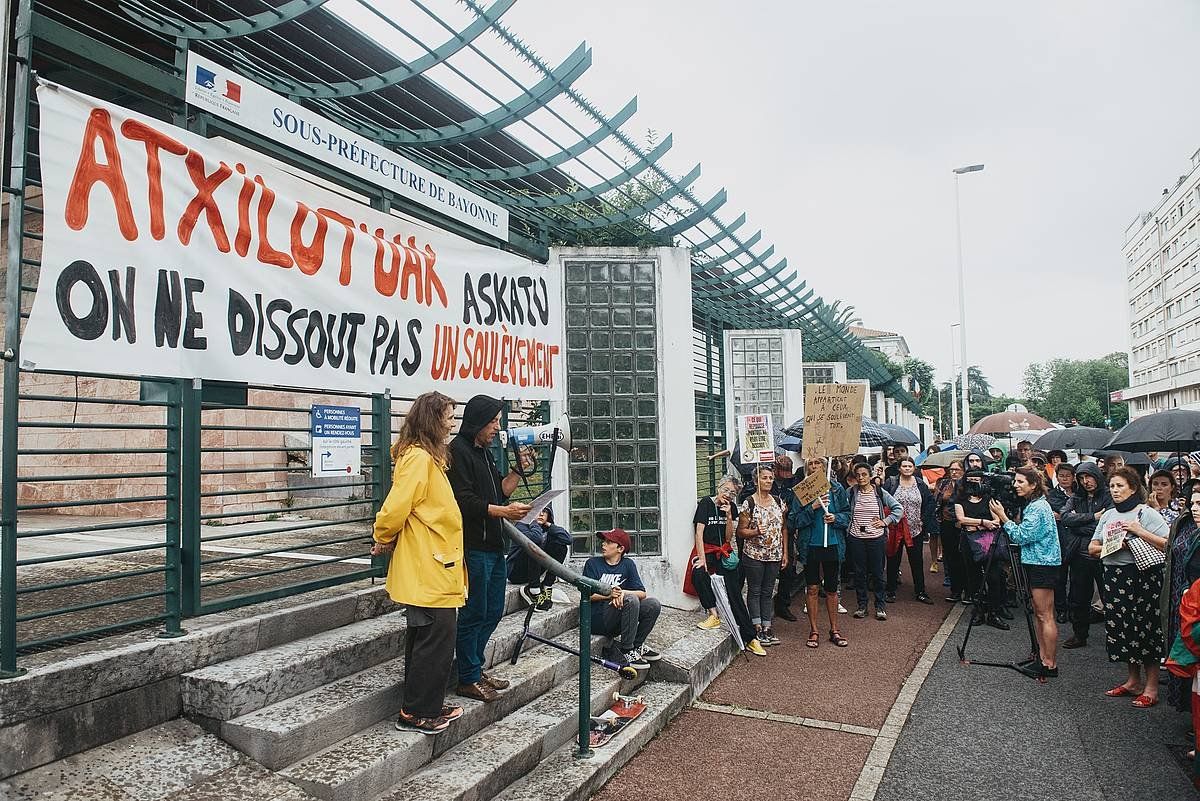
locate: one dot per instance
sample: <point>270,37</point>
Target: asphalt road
<point>982,733</point>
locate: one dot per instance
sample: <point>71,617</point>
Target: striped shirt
<point>866,511</point>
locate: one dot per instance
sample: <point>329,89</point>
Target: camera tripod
<point>1026,667</point>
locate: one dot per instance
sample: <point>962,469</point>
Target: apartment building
<point>1162,260</point>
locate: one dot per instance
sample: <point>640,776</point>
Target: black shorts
<point>822,559</point>
<point>1042,577</point>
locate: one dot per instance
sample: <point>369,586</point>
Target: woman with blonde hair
<point>420,526</point>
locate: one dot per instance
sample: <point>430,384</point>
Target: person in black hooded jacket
<point>482,497</point>
<point>1079,518</point>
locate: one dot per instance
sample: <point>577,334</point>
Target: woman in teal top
<point>821,548</point>
<point>1037,535</point>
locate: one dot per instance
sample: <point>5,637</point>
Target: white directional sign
<point>336,441</point>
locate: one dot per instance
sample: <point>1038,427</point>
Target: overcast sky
<point>835,126</point>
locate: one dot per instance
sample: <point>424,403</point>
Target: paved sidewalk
<point>799,723</point>
<point>978,733</point>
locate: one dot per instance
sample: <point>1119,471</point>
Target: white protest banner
<point>221,91</point>
<point>167,254</point>
<point>832,419</point>
<point>756,437</point>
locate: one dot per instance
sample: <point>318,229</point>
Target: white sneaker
<point>842,610</point>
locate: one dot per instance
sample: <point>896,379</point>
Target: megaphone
<point>552,434</point>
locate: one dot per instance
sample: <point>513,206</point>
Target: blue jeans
<point>487,577</point>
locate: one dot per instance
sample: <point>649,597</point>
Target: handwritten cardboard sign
<point>832,419</point>
<point>812,487</point>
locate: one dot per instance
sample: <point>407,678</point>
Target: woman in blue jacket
<point>1037,535</point>
<point>821,546</point>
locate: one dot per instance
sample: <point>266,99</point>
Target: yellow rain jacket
<point>427,566</point>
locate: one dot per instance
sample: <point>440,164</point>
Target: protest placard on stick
<point>832,419</point>
<point>812,487</point>
<point>756,436</point>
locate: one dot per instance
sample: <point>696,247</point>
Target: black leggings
<point>915,563</point>
<point>952,558</point>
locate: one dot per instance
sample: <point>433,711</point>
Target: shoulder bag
<point>1145,555</point>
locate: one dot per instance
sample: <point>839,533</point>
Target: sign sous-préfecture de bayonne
<point>168,254</point>
<point>235,97</point>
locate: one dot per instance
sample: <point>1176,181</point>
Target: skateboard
<point>609,723</point>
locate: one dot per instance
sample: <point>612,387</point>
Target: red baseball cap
<point>619,537</point>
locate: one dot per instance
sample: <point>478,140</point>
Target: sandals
<point>1143,702</point>
<point>837,639</point>
<point>814,639</point>
<point>1120,691</point>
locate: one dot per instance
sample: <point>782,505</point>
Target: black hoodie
<point>475,479</point>
<point>1079,515</point>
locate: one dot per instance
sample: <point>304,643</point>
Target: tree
<point>921,373</point>
<point>1063,390</point>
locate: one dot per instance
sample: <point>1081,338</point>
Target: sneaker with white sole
<point>755,647</point>
<point>842,610</point>
<point>635,660</point>
<point>710,622</point>
<point>531,593</point>
<point>880,614</point>
<point>544,602</point>
<point>429,726</point>
<point>860,613</point>
<point>649,654</point>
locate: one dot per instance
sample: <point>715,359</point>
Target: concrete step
<point>239,686</point>
<point>366,763</point>
<point>486,763</point>
<point>564,777</point>
<point>228,689</point>
<point>289,730</point>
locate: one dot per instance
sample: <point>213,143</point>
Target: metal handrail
<point>549,563</point>
<point>586,587</point>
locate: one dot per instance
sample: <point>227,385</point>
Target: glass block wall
<point>818,375</point>
<point>613,402</point>
<point>758,375</point>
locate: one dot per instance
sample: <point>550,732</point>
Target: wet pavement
<point>896,716</point>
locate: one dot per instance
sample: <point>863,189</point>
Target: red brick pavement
<point>703,754</point>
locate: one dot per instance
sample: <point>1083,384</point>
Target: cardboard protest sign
<point>169,254</point>
<point>812,487</point>
<point>832,419</point>
<point>756,437</point>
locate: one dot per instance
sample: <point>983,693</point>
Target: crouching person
<point>524,569</point>
<point>629,614</point>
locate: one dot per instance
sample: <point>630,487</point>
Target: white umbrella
<point>726,611</point>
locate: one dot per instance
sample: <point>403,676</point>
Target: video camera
<point>1000,487</point>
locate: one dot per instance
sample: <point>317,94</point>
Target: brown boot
<point>479,691</point>
<point>494,682</point>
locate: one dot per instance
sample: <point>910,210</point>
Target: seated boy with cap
<point>629,614</point>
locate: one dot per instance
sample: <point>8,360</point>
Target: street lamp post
<point>953,397</point>
<point>962,297</point>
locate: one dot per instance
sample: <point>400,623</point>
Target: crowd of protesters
<point>880,512</point>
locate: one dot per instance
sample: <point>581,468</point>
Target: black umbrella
<point>1074,438</point>
<point>872,435</point>
<point>1175,430</point>
<point>1132,458</point>
<point>900,435</point>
